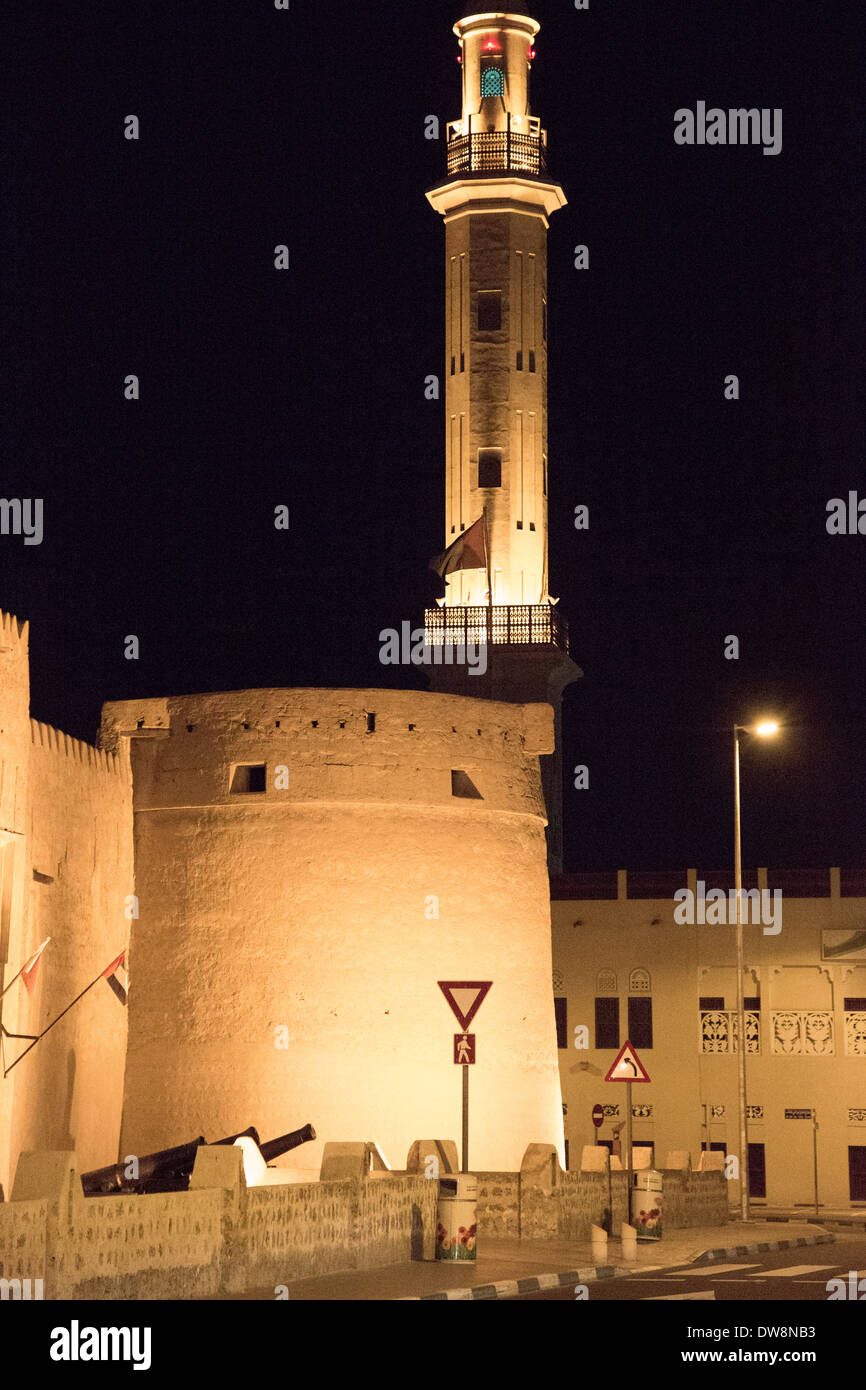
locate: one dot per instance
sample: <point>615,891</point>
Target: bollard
<point>629,1242</point>
<point>599,1245</point>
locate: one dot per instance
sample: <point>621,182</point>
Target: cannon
<point>275,1148</point>
<point>167,1170</point>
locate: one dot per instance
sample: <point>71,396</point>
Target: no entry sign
<point>598,1116</point>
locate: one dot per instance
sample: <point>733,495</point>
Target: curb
<point>859,1222</point>
<point>761,1247</point>
<point>539,1283</point>
<point>510,1288</point>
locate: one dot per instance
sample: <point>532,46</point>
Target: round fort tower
<point>309,863</point>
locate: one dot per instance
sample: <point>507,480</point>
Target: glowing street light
<point>765,729</point>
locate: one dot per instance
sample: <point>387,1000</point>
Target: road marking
<point>669,1297</point>
<point>793,1270</point>
<point>715,1270</point>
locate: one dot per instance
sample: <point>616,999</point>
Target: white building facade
<point>627,966</point>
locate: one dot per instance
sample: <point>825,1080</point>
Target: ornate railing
<point>515,625</point>
<point>855,1034</point>
<point>488,152</point>
<point>802,1032</point>
<point>720,1029</point>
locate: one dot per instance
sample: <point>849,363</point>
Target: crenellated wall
<point>14,766</point>
<point>66,870</point>
<point>80,873</point>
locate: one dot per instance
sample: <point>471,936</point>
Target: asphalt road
<point>799,1275</point>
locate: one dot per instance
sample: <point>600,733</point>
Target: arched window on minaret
<point>492,80</point>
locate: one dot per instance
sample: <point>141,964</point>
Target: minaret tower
<point>496,201</point>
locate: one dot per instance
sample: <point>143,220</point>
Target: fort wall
<point>291,938</point>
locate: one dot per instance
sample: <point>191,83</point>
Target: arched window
<point>605,982</point>
<point>492,81</point>
<point>639,982</point>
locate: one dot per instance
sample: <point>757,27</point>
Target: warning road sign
<point>628,1066</point>
<point>465,998</point>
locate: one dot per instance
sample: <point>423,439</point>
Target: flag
<point>117,977</point>
<point>28,970</point>
<point>468,552</point>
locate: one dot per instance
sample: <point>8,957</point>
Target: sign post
<point>628,1067</point>
<point>598,1121</point>
<point>465,998</point>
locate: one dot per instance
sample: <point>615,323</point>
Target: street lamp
<point>765,729</point>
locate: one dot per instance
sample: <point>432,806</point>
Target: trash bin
<point>646,1206</point>
<point>456,1227</point>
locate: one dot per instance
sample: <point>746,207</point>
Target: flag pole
<point>487,558</point>
<point>489,586</point>
<point>27,962</point>
<point>6,1070</point>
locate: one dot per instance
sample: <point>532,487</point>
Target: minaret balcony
<point>491,152</point>
<point>506,625</point>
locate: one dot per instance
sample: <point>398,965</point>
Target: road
<point>799,1275</point>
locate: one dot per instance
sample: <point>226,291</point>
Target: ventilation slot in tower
<point>462,785</point>
<point>248,778</point>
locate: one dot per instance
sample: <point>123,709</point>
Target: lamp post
<point>765,729</point>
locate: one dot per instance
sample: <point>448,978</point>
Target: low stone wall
<point>219,1237</point>
<point>23,1239</point>
<point>695,1199</point>
<point>164,1246</point>
<point>499,1204</point>
<point>222,1237</point>
<point>304,1230</point>
<point>529,1205</point>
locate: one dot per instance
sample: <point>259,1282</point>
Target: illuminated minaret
<point>496,201</point>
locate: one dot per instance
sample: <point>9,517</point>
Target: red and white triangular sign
<point>628,1066</point>
<point>465,998</point>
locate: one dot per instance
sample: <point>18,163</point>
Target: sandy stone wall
<point>695,1199</point>
<point>303,1230</point>
<point>14,762</point>
<point>24,1232</point>
<point>198,1243</point>
<point>290,940</point>
<point>499,1203</point>
<point>512,1204</point>
<point>79,872</point>
<point>65,867</point>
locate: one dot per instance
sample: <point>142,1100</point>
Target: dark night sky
<point>306,387</point>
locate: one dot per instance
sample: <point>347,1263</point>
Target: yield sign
<point>628,1066</point>
<point>465,998</point>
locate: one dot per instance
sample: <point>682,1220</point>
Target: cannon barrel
<point>167,1170</point>
<point>275,1147</point>
<point>163,1163</point>
<point>250,1133</point>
